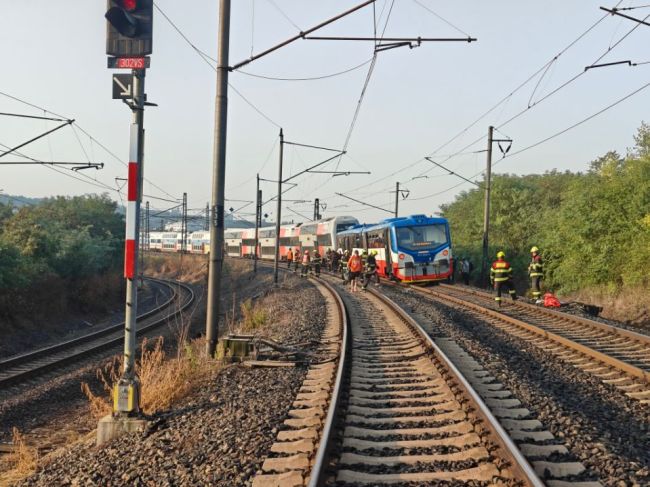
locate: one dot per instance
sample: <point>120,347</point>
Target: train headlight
<point>445,252</point>
<point>401,256</point>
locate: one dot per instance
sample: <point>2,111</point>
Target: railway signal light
<point>129,27</point>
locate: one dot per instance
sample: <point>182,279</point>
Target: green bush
<point>71,238</point>
<point>593,228</point>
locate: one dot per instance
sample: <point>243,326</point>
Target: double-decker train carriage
<point>199,242</point>
<point>413,249</point>
<point>155,241</point>
<point>289,239</point>
<point>232,242</point>
<point>306,236</point>
<point>240,242</point>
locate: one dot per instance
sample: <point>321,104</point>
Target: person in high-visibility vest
<point>296,259</point>
<point>289,258</point>
<point>536,273</point>
<point>316,261</point>
<point>370,269</point>
<point>355,267</point>
<point>306,263</point>
<point>501,277</point>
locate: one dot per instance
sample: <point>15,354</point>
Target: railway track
<point>614,355</point>
<point>22,368</point>
<point>389,409</point>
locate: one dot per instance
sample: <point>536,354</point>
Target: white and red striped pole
<point>127,391</point>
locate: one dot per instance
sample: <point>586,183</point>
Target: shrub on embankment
<point>58,256</point>
<point>593,228</point>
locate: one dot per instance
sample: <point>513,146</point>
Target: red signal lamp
<point>129,5</point>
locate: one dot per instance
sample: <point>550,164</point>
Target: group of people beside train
<point>352,267</point>
<point>501,275</point>
<point>355,266</point>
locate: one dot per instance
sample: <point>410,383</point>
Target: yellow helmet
<point>374,252</point>
<point>501,254</point>
<point>534,249</point>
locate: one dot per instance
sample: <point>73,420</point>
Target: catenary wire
<point>206,58</point>
<point>493,107</point>
<point>84,131</point>
<point>308,78</point>
<point>550,137</point>
<point>456,28</point>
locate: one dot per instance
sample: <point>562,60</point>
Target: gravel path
<point>607,431</point>
<point>222,434</point>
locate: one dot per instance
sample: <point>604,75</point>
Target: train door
<point>389,260</point>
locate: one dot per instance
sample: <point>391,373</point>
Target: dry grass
<point>22,461</point>
<point>164,380</point>
<point>631,306</point>
<point>187,268</point>
<point>253,316</point>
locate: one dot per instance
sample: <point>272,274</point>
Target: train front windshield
<point>425,237</point>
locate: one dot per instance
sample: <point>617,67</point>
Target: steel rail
<point>16,360</point>
<point>319,467</point>
<point>520,467</point>
<point>590,352</point>
<point>522,470</point>
<point>41,368</point>
<point>645,339</point>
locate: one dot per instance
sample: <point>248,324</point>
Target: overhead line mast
<point>219,160</point>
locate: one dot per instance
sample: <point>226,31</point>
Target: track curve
<point>21,368</point>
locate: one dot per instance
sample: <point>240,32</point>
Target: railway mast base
<point>111,427</point>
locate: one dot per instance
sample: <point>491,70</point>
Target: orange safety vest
<point>290,255</point>
<point>354,264</point>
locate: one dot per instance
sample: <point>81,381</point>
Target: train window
<point>267,233</point>
<point>248,241</point>
<point>268,251</point>
<point>375,240</point>
<point>423,237</point>
<point>324,239</point>
<point>289,241</point>
<point>308,229</point>
<point>344,226</point>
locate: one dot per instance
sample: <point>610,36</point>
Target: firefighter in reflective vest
<point>306,263</point>
<point>370,269</point>
<point>501,277</point>
<point>316,261</point>
<point>536,273</point>
<point>336,257</point>
<point>289,258</point>
<point>296,259</point>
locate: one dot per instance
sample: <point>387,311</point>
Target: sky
<point>416,101</point>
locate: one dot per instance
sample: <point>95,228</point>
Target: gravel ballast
<point>222,434</point>
<point>601,427</point>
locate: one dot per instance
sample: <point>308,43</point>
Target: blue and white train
<point>416,248</point>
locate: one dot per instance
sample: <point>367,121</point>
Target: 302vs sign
<point>129,62</point>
